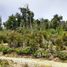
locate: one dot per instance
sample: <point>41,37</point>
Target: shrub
<point>1,48</point>
<point>26,50</point>
<point>3,36</point>
<point>23,51</point>
<point>15,39</point>
<point>7,50</point>
<point>42,53</point>
<point>4,63</point>
<point>19,51</point>
<point>62,55</point>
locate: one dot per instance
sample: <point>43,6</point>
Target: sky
<point>41,8</point>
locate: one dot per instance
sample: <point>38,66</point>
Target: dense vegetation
<point>39,38</point>
<point>4,63</point>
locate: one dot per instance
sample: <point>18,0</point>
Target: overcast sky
<point>41,8</point>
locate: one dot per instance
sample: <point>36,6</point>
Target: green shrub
<point>1,48</point>
<point>18,51</point>
<point>7,50</point>
<point>3,36</point>
<point>42,53</point>
<point>26,50</point>
<point>23,51</point>
<point>15,39</point>
<point>38,53</point>
<point>4,63</point>
<point>62,55</point>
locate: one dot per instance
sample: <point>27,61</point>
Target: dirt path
<point>30,61</point>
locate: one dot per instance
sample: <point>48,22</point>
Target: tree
<point>11,22</point>
<point>30,18</point>
<point>0,23</point>
<point>23,16</point>
<point>65,26</point>
<point>27,16</point>
<point>18,19</point>
<point>38,24</point>
<point>23,19</point>
<point>47,23</point>
<point>55,22</point>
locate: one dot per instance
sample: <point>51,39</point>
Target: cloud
<point>41,8</point>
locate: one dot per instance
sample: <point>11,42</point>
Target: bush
<point>4,63</point>
<point>3,36</point>
<point>62,55</point>
<point>23,51</point>
<point>1,48</point>
<point>15,39</point>
<point>7,50</point>
<point>41,53</point>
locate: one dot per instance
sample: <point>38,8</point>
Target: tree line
<point>25,19</point>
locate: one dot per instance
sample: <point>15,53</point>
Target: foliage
<point>6,49</point>
<point>4,63</point>
<point>11,23</point>
<point>42,53</point>
<point>39,37</point>
<point>21,51</point>
<point>15,39</point>
<point>3,36</point>
<point>62,55</point>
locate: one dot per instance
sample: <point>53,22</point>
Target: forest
<point>39,38</point>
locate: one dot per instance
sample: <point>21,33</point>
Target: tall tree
<point>23,12</point>
<point>18,19</point>
<point>11,22</point>
<point>55,22</point>
<point>30,18</point>
<point>27,16</point>
<point>0,23</point>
